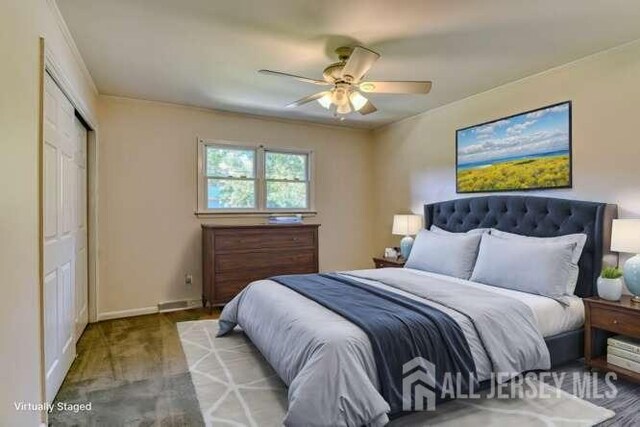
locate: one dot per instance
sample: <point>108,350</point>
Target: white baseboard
<point>108,315</point>
<point>127,313</point>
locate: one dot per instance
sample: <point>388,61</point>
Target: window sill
<point>254,214</point>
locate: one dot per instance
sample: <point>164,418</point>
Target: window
<point>287,180</point>
<point>253,179</point>
<point>231,178</point>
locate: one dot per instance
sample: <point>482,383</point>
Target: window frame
<point>266,150</point>
<point>260,180</point>
<point>205,177</point>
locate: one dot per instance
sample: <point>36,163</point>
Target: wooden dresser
<point>235,255</point>
<point>383,262</point>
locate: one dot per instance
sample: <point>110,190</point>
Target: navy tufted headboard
<point>538,217</point>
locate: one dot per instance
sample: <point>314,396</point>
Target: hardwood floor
<point>133,372</point>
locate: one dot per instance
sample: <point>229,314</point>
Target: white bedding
<point>553,318</point>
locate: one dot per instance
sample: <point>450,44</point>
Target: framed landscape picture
<point>527,151</point>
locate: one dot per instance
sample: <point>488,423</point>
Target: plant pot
<point>610,289</point>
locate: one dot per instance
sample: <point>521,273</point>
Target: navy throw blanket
<point>398,327</point>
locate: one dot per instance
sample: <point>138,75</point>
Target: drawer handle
<point>615,321</point>
<point>295,239</point>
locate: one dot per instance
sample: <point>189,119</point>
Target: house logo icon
<point>418,382</point>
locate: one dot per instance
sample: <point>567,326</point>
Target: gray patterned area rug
<point>237,387</point>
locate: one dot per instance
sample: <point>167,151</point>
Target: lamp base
<point>405,246</point>
<point>631,273</point>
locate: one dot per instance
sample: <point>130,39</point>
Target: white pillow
<point>573,279</point>
<point>439,230</point>
<point>578,240</point>
<point>450,254</point>
<point>530,266</point>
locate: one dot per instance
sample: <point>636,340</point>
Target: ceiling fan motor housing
<point>333,73</point>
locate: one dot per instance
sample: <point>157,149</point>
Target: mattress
<point>553,318</point>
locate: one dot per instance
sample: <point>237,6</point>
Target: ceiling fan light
<point>343,109</point>
<point>325,101</point>
<point>357,100</point>
<point>340,96</point>
<point>367,87</point>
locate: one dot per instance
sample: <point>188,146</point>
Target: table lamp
<point>407,226</point>
<point>625,237</point>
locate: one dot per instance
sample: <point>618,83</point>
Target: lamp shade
<point>625,235</point>
<point>406,225</point>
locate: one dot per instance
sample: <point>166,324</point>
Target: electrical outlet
<point>188,279</point>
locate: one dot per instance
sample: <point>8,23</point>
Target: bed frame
<point>540,217</point>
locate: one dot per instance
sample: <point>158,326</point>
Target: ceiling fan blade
<point>396,87</point>
<point>293,76</point>
<point>368,109</point>
<point>306,99</point>
<point>359,62</point>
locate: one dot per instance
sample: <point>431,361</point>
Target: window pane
<point>282,195</point>
<point>225,193</point>
<point>286,166</point>
<point>230,162</point>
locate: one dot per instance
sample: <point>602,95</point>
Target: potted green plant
<point>610,284</point>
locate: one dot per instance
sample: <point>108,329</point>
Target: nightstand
<point>382,262</point>
<point>620,317</point>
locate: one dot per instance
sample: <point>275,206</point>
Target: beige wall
<point>19,321</point>
<point>415,158</point>
<point>21,24</point>
<point>149,235</point>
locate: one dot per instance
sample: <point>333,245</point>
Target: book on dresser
<point>625,363</point>
<point>625,352</point>
<point>625,343</point>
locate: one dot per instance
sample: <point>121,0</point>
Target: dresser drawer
<point>274,260</point>
<point>230,284</point>
<point>225,290</point>
<point>614,321</point>
<point>247,240</point>
<point>249,275</point>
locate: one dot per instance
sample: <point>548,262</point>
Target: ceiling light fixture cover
<point>325,101</point>
<point>357,100</point>
<point>343,109</point>
<point>338,98</point>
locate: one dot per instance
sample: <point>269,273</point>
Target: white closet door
<point>60,204</point>
<point>81,256</point>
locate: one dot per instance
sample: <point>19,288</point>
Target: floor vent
<point>176,305</point>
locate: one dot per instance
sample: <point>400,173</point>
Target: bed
<point>332,365</point>
<point>540,217</point>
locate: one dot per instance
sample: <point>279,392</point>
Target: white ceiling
<point>206,52</point>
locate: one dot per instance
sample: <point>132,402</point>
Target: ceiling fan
<point>345,80</point>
